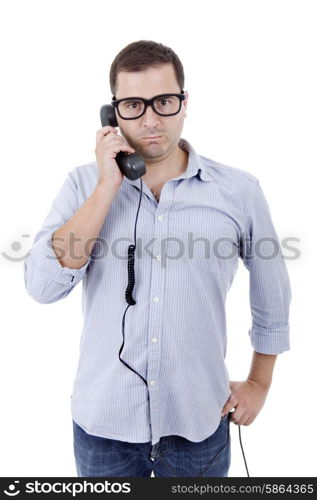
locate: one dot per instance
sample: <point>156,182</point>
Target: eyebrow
<point>138,97</point>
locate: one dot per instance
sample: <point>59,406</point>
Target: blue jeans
<point>172,456</point>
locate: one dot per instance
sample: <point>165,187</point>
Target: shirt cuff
<point>44,258</point>
<point>270,340</point>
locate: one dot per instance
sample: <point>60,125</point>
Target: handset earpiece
<point>108,116</point>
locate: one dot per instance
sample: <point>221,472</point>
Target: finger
<point>101,133</point>
<point>238,418</point>
<point>106,129</point>
<point>234,416</point>
<point>124,146</point>
<point>249,421</point>
<point>243,420</point>
<point>234,421</point>
<point>118,146</point>
<point>230,404</point>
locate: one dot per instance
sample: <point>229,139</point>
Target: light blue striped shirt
<point>188,246</point>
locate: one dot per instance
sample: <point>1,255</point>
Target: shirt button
<point>152,382</point>
<point>158,257</point>
<point>156,299</point>
<point>154,339</point>
<point>160,217</point>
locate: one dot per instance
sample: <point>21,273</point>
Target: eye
<point>165,100</point>
<point>132,104</point>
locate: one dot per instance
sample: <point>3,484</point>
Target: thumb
<point>228,406</point>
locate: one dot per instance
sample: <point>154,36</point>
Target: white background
<point>250,70</point>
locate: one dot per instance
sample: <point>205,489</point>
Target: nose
<point>150,119</point>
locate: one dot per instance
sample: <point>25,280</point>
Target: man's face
<point>147,84</point>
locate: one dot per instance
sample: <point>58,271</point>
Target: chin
<point>153,154</point>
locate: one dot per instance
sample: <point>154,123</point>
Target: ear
<point>185,101</point>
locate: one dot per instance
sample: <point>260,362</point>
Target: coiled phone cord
<point>131,281</point>
<point>131,302</point>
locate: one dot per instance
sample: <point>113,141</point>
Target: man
<point>177,422</point>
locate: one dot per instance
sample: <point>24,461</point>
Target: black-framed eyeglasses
<point>131,108</point>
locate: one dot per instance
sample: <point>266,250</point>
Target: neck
<point>159,171</point>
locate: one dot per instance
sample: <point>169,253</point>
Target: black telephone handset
<point>132,166</point>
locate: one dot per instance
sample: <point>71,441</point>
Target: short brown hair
<point>140,55</point>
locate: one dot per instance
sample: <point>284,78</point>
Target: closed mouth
<point>153,137</point>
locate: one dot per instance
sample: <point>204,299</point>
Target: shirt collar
<point>195,165</point>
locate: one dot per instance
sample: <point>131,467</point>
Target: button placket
<point>156,311</point>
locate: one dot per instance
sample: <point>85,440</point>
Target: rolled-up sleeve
<point>46,280</point>
<point>269,284</point>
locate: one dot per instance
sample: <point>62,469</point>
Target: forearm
<point>74,241</point>
<point>262,367</point>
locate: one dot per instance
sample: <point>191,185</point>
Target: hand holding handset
<point>132,166</point>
